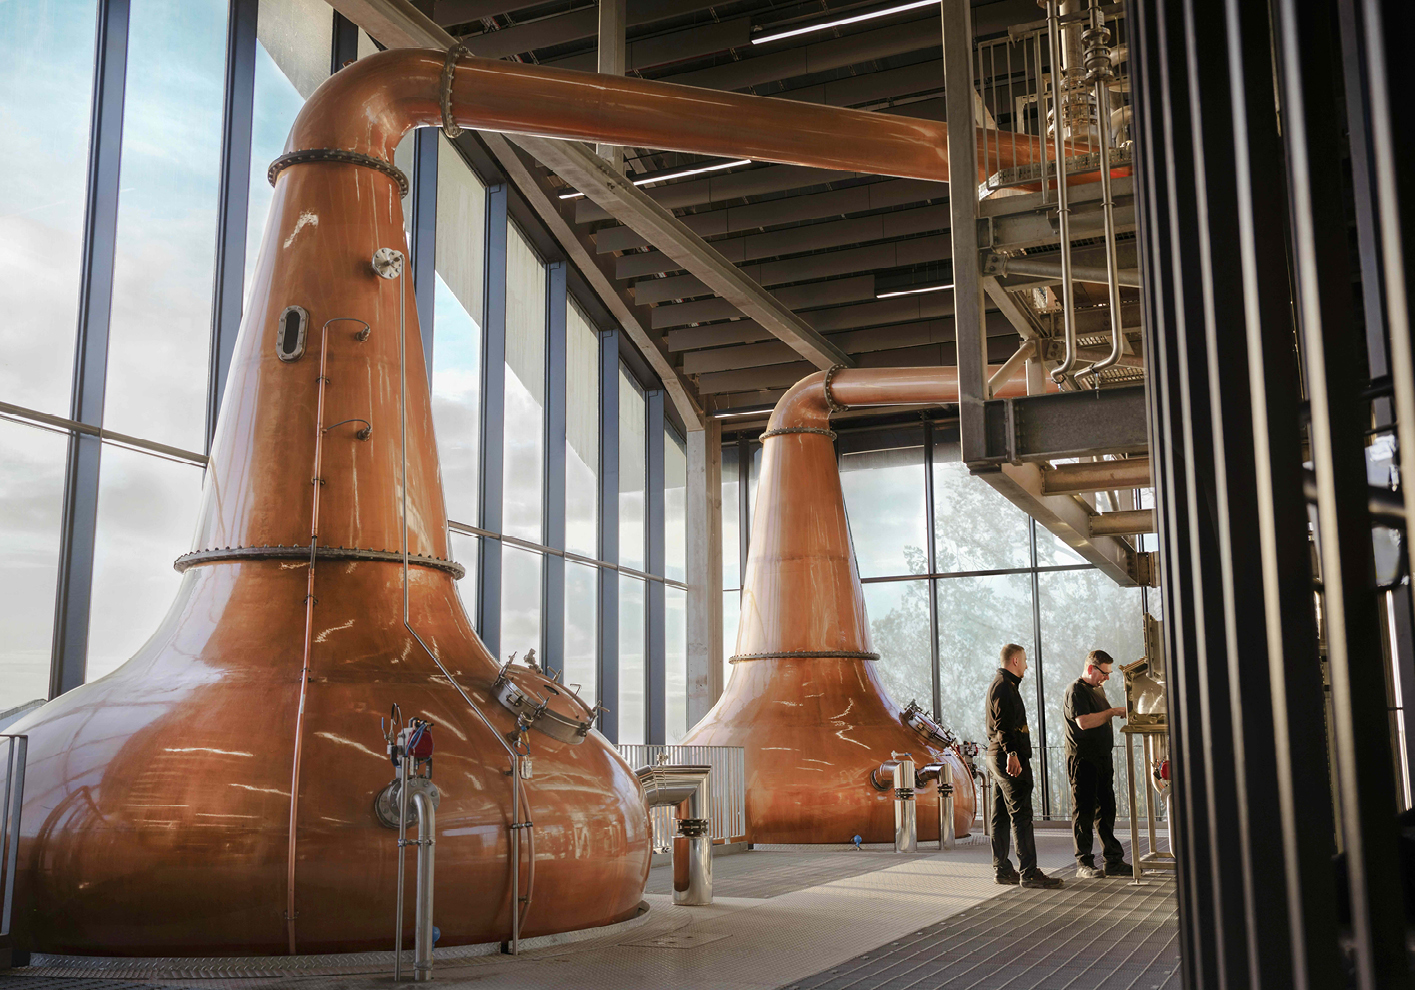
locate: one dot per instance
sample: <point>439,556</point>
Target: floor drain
<point>677,940</point>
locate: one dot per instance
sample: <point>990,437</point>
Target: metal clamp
<point>797,429</point>
<point>694,827</point>
<point>830,403</point>
<point>341,157</point>
<point>449,65</point>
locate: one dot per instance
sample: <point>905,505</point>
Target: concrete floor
<point>781,918</point>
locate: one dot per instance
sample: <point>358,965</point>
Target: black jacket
<point>1007,716</point>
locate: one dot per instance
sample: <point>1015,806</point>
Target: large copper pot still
<point>804,700</point>
<point>215,794</point>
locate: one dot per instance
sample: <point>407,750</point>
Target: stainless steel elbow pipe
<point>671,786</point>
<point>898,771</point>
<point>943,773</point>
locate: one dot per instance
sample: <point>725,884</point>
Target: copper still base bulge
<point>157,810</point>
<point>812,730</point>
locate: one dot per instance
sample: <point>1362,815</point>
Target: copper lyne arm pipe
<point>810,401</point>
<point>367,108</point>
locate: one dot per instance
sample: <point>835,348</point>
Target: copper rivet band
<point>449,126</point>
<point>808,654</point>
<point>830,402</point>
<point>797,429</point>
<point>341,157</point>
<point>239,554</point>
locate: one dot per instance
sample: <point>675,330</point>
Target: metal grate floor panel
<point>1089,935</point>
<point>765,874</point>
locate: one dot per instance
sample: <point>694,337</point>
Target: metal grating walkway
<point>764,874</point>
<point>1089,935</point>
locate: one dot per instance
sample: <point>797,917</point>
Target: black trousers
<point>1093,802</point>
<point>1012,813</point>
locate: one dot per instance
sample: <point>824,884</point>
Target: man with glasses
<point>1089,742</point>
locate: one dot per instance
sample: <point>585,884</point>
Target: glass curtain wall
<point>941,545</point>
<point>675,540</point>
<point>633,624</point>
<point>158,337</point>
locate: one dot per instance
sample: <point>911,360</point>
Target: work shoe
<point>1119,870</point>
<point>1084,871</point>
<point>1007,879</point>
<point>1040,881</point>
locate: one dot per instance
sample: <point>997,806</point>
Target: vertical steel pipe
<point>1098,51</point>
<point>422,910</point>
<point>945,808</point>
<point>1063,204</point>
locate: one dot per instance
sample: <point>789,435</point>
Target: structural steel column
<point>233,203</point>
<point>609,533</point>
<point>612,24</point>
<point>553,566</point>
<point>74,592</point>
<point>968,310</point>
<point>1307,61</point>
<point>704,499</point>
<point>656,651</point>
<point>931,522</point>
<point>493,420</point>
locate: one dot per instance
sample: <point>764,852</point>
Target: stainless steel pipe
<point>899,771</point>
<point>1063,203</point>
<point>671,786</point>
<point>943,773</point>
<point>422,911</point>
<point>1098,71</point>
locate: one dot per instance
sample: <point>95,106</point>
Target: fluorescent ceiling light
<point>912,292</point>
<point>674,175</point>
<point>897,8</point>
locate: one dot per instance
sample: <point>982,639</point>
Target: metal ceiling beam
<point>857,342</point>
<point>747,332</point>
<point>831,293</point>
<point>885,316</point>
<point>782,375</point>
<point>397,24</point>
<point>1125,522</point>
<point>894,254</point>
<point>724,186</point>
<point>1068,519</point>
<point>852,199</point>
<point>831,233</point>
<point>1097,476</point>
<point>590,174</point>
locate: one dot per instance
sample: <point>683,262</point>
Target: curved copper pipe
<point>369,106</point>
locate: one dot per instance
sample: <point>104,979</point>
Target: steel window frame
<point>74,588</point>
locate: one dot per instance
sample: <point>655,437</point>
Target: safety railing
<point>1018,104</point>
<point>13,751</point>
<point>728,784</point>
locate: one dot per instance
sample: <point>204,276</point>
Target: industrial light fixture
<point>912,292</point>
<point>675,175</point>
<point>841,22</point>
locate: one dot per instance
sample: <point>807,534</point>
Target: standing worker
<point>1089,765</point>
<point>1010,760</point>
